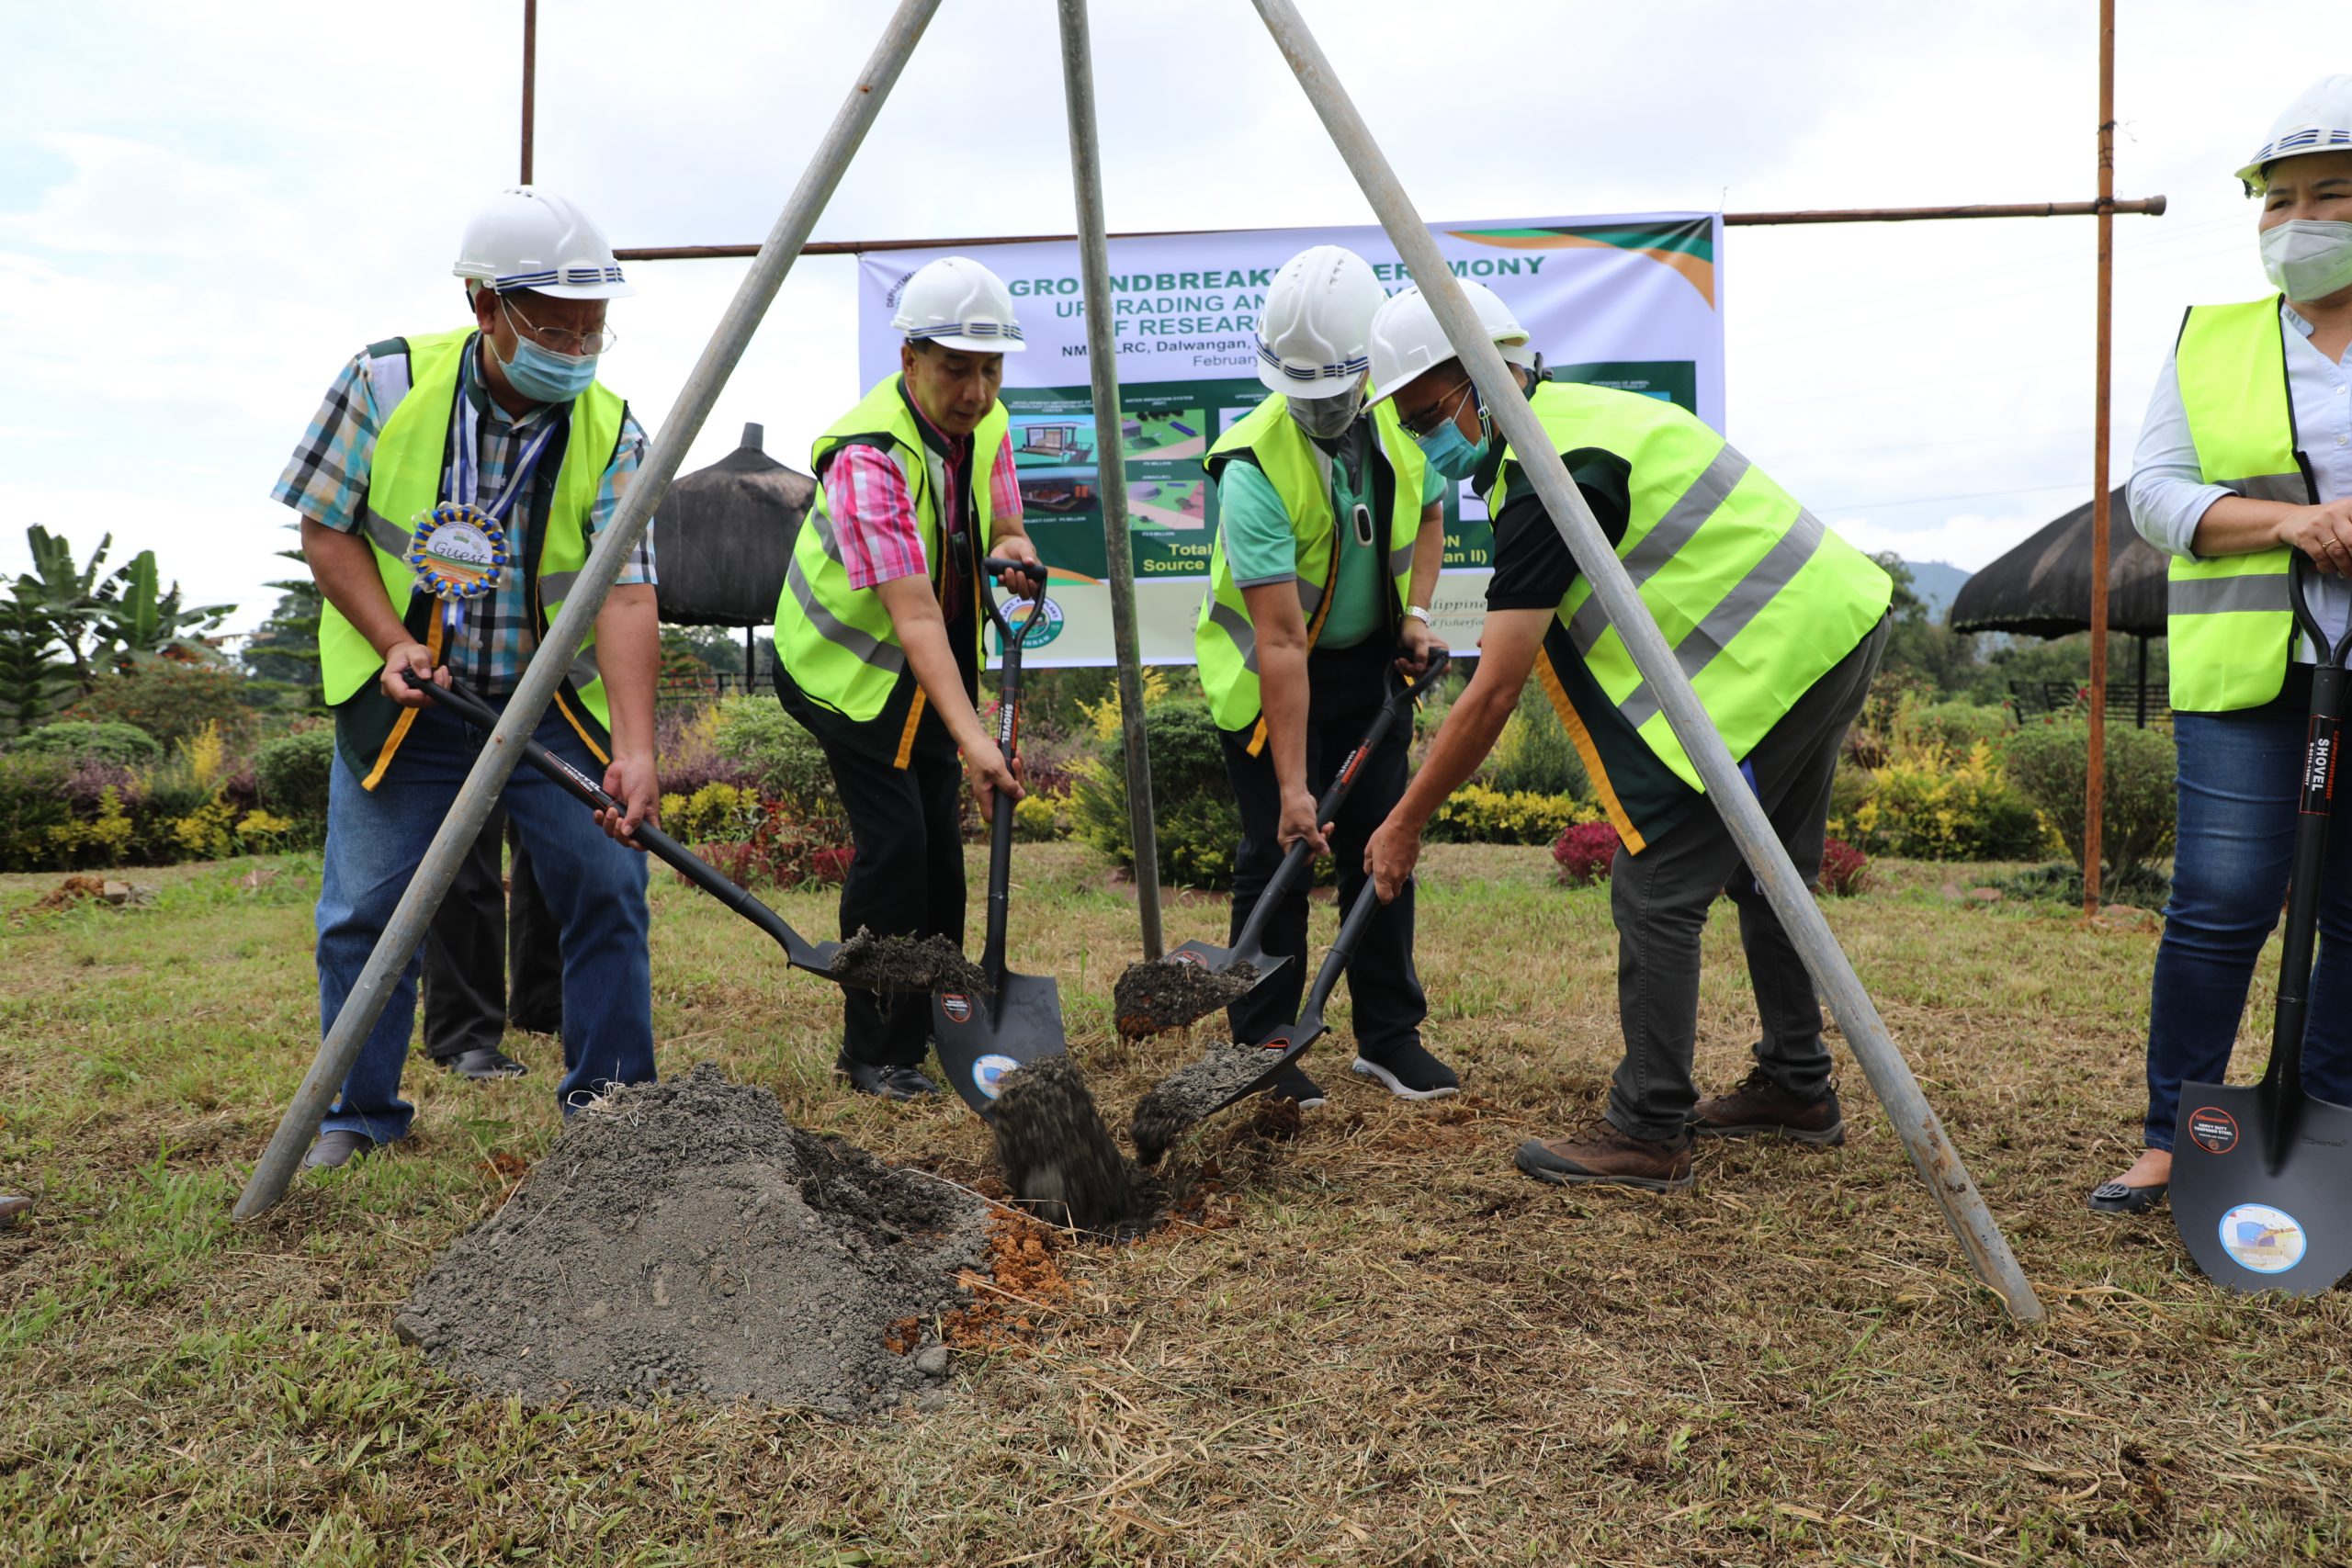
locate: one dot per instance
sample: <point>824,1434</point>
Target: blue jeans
<point>2239,775</point>
<point>595,889</point>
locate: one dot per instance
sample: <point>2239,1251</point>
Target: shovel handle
<point>2282,1080</point>
<point>1008,739</point>
<point>1343,948</point>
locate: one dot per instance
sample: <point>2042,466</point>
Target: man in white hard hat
<point>1780,626</point>
<point>878,631</point>
<point>1329,539</point>
<point>451,488</point>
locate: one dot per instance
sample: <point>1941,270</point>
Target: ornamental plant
<point>1585,853</point>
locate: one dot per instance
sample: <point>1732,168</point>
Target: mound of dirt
<point>1055,1153</point>
<point>1169,993</point>
<point>918,965</point>
<point>683,1237</point>
<point>1191,1092</point>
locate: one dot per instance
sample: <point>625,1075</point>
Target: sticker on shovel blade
<point>2266,1240</point>
<point>988,1073</point>
<point>2214,1129</point>
<point>956,1006</point>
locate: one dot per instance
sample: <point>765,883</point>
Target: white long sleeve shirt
<point>2168,494</point>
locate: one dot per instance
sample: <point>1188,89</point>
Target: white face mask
<point>1329,417</point>
<point>2308,258</point>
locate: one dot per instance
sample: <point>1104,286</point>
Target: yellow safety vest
<point>417,380</point>
<point>2228,618</point>
<point>1223,638</point>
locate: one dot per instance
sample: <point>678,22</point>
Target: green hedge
<point>1195,821</point>
<point>784,759</point>
<point>293,771</point>
<point>121,744</point>
<point>2050,761</point>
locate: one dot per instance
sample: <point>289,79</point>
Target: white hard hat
<point>528,238</point>
<point>1313,331</point>
<point>2319,120</point>
<point>957,303</point>
<point>1406,339</point>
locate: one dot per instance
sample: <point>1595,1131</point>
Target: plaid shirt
<point>874,517</point>
<point>327,483</point>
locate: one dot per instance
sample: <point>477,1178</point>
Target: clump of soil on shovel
<point>1055,1153</point>
<point>917,965</point>
<point>1169,993</point>
<point>1191,1092</point>
<point>683,1237</point>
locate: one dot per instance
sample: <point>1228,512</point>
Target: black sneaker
<point>890,1082</point>
<point>1410,1073</point>
<point>1293,1084</point>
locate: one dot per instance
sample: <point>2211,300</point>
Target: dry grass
<point>1374,1344</point>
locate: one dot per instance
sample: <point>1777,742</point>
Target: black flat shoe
<point>485,1062</point>
<point>891,1083</point>
<point>2114,1198</point>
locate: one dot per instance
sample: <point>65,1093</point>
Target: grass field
<point>1385,1347</point>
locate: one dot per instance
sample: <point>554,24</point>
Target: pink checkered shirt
<point>874,517</point>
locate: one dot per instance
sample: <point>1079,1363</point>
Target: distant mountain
<point>1935,582</point>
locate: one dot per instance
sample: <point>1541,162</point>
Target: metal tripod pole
<point>1110,471</point>
<point>458,830</point>
<point>1890,1078</point>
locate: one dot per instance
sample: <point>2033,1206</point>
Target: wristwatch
<point>1420,614</point>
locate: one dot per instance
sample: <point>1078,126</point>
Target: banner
<point>1633,302</point>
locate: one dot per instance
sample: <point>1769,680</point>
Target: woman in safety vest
<point>2244,459</point>
<point>1780,625</point>
<point>878,631</point>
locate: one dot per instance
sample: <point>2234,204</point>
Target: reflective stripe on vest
<point>416,384</point>
<point>837,641</point>
<point>1224,640</point>
<point>2228,619</point>
<point>1755,597</point>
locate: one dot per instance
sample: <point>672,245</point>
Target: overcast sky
<point>204,210</point>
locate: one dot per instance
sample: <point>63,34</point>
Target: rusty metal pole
<point>2095,774</point>
<point>530,79</point>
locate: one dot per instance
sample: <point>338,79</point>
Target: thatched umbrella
<point>2042,588</point>
<point>722,537</point>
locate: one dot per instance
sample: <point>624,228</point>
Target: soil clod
<point>915,964</point>
<point>1192,1092</point>
<point>685,1238</point>
<point>1169,993</point>
<point>1056,1157</point>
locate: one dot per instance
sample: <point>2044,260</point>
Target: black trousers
<point>482,935</point>
<point>906,873</point>
<point>1346,687</point>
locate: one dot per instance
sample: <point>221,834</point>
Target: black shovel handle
<point>1008,739</point>
<point>2282,1080</point>
<point>1335,961</point>
<point>645,835</point>
<point>1335,794</point>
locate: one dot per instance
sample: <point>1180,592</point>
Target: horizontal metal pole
<point>2153,206</point>
<point>1914,1120</point>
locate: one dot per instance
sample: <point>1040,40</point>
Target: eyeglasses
<point>595,342</point>
<point>1421,424</point>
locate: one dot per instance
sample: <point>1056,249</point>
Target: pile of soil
<point>1191,1092</point>
<point>683,1237</point>
<point>918,965</point>
<point>1053,1151</point>
<point>1169,993</point>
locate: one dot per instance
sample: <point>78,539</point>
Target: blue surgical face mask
<point>545,376</point>
<point>1455,455</point>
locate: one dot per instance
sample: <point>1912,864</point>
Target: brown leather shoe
<point>1602,1154</point>
<point>1760,1107</point>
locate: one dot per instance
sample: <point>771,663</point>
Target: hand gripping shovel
<point>981,1038</point>
<point>1207,1086</point>
<point>817,957</point>
<point>1137,1001</point>
<point>2262,1175</point>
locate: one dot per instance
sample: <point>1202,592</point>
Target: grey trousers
<point>1660,899</point>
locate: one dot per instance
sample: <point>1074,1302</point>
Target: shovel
<point>981,1038</point>
<point>2262,1175</point>
<point>816,957</point>
<point>1247,946</point>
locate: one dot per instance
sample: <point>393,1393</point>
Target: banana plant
<point>68,598</point>
<point>146,624</point>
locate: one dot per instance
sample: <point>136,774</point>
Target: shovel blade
<point>1218,960</point>
<point>1282,1050</point>
<point>980,1039</point>
<point>2252,1229</point>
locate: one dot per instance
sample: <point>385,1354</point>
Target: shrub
<point>1477,815</point>
<point>1195,820</point>
<point>1039,818</point>
<point>1534,755</point>
<point>1585,853</point>
<point>1925,804</point>
<point>1953,726</point>
<point>170,701</point>
<point>783,850</point>
<point>2050,761</point>
<point>101,839</point>
<point>124,745</point>
<point>292,773</point>
<point>32,803</point>
<point>719,812</point>
<point>1845,870</point>
<point>783,761</point>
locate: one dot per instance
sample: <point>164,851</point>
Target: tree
<point>1931,650</point>
<point>34,681</point>
<point>68,598</point>
<point>284,654</point>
